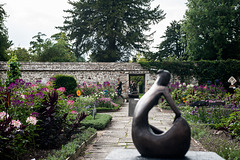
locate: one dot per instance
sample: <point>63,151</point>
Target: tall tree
<point>54,49</point>
<point>213,29</point>
<point>110,30</point>
<point>21,53</point>
<point>171,46</point>
<point>4,42</point>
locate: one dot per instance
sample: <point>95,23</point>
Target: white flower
<point>190,86</point>
<point>2,115</point>
<point>32,120</point>
<point>184,84</point>
<point>180,85</point>
<point>16,124</point>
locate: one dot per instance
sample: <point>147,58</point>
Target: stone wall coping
<point>75,66</point>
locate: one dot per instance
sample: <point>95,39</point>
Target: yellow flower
<point>78,93</point>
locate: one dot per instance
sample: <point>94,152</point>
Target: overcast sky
<point>28,17</point>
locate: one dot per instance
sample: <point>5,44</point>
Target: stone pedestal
<point>132,104</point>
<point>133,154</point>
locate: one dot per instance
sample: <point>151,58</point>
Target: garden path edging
<point>82,147</point>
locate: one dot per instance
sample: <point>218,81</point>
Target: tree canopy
<point>54,49</point>
<point>21,53</point>
<point>4,42</point>
<point>110,30</point>
<point>171,46</point>
<point>212,29</point>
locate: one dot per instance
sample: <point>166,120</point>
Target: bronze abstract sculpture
<point>149,140</point>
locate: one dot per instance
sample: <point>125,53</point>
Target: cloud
<point>28,17</point>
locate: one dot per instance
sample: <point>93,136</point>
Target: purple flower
<point>38,81</point>
<point>40,95</point>
<point>35,114</point>
<point>52,79</point>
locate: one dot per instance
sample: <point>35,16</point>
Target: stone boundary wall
<point>82,71</point>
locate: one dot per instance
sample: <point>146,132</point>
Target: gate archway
<point>139,80</point>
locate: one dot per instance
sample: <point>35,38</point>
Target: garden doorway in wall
<point>139,80</point>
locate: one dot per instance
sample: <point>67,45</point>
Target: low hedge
<point>105,109</point>
<point>69,82</point>
<point>100,122</point>
<point>203,70</point>
<point>70,148</point>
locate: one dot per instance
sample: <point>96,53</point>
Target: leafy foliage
<point>4,42</point>
<point>219,143</point>
<point>22,54</point>
<point>14,72</point>
<point>51,125</point>
<point>54,49</point>
<point>69,82</point>
<point>212,29</point>
<point>172,45</point>
<point>99,123</point>
<point>203,71</point>
<point>110,30</point>
<point>14,136</point>
<point>231,125</point>
<point>71,148</point>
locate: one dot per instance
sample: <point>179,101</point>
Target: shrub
<point>70,148</point>
<point>69,82</point>
<point>51,124</point>
<point>99,123</point>
<point>231,125</point>
<point>14,70</point>
<point>221,144</point>
<point>203,70</point>
<point>105,103</point>
<point>15,135</point>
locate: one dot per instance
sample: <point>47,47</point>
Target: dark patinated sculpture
<point>133,91</point>
<point>149,140</point>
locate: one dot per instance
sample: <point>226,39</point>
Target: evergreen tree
<point>110,30</point>
<point>4,42</point>
<point>213,29</point>
<point>171,46</point>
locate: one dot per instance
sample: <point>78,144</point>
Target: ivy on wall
<point>203,71</point>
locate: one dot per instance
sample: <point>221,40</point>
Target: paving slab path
<point>117,135</point>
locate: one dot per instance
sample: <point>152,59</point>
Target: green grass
<point>99,123</point>
<point>140,95</point>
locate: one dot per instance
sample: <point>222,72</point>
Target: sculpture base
<point>133,154</point>
<point>132,104</point>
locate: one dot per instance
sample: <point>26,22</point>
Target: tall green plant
<point>14,72</point>
<point>111,30</point>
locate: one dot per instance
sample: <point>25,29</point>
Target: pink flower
<point>205,87</point>
<point>74,112</point>
<point>62,89</point>
<point>114,104</point>
<point>48,84</point>
<point>31,120</point>
<point>15,123</point>
<point>2,115</point>
<point>105,99</point>
<point>33,86</point>
<point>70,102</point>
